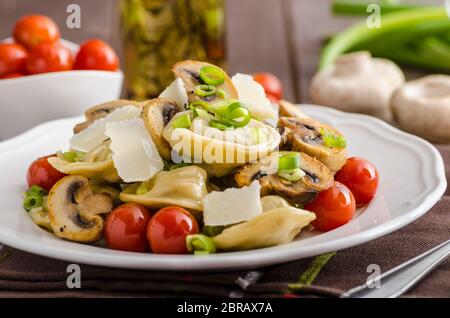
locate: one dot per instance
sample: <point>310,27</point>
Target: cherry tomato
<point>271,84</point>
<point>333,207</point>
<point>43,174</point>
<point>272,99</point>
<point>168,228</point>
<point>12,58</point>
<point>32,30</point>
<point>361,177</point>
<point>12,75</point>
<point>49,57</point>
<point>126,227</point>
<point>96,55</point>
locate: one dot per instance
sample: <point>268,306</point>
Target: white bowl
<point>34,99</point>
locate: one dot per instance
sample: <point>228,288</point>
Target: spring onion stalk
<point>291,175</point>
<point>183,121</point>
<point>205,90</point>
<point>200,244</point>
<point>212,75</point>
<point>391,22</point>
<point>354,7</point>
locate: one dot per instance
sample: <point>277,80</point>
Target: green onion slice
<point>291,175</point>
<point>289,161</point>
<point>219,124</point>
<point>200,244</point>
<point>221,93</point>
<point>202,113</point>
<point>211,230</point>
<point>238,115</point>
<point>143,188</point>
<point>38,190</point>
<point>212,75</point>
<point>205,90</point>
<point>73,156</point>
<point>332,140</point>
<point>200,104</point>
<point>183,121</point>
<point>32,200</point>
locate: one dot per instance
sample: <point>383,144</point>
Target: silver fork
<point>398,280</point>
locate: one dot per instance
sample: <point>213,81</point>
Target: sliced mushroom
<point>317,178</point>
<point>101,110</point>
<point>189,72</point>
<point>287,109</point>
<point>422,107</point>
<point>74,209</point>
<point>305,135</point>
<point>156,115</point>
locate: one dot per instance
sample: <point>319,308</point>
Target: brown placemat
<point>27,275</point>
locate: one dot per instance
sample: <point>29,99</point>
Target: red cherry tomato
<point>333,207</point>
<point>271,84</point>
<point>12,58</point>
<point>49,57</point>
<point>272,99</point>
<point>168,228</point>
<point>126,227</point>
<point>12,75</point>
<point>32,30</point>
<point>96,55</point>
<point>43,174</point>
<point>361,177</point>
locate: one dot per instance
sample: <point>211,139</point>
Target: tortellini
<point>274,227</point>
<point>220,150</point>
<point>183,187</point>
<point>270,202</point>
<point>96,164</point>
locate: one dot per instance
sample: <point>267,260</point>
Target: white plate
<point>412,181</point>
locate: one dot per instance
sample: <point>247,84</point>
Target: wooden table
<point>279,36</point>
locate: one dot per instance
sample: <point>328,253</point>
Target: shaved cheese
<point>94,134</point>
<point>176,91</point>
<point>134,154</point>
<point>232,205</point>
<point>252,94</point>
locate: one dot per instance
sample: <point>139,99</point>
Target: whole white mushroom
<point>422,107</point>
<point>356,82</point>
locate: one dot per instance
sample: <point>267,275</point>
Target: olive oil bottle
<point>158,33</point>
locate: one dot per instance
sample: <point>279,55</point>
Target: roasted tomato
<point>96,55</point>
<point>333,207</point>
<point>168,228</point>
<point>126,228</point>
<point>43,174</point>
<point>361,177</point>
<point>32,30</point>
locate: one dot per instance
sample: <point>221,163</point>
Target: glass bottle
<point>158,33</point>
